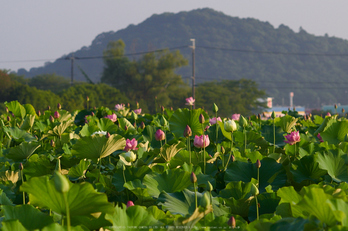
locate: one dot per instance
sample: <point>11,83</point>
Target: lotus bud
<point>162,108</point>
<point>230,126</point>
<point>21,166</point>
<point>61,183</point>
<point>273,116</point>
<point>125,127</point>
<point>135,124</point>
<point>171,108</point>
<point>128,105</point>
<point>107,135</point>
<point>142,125</point>
<point>242,121</point>
<point>8,118</point>
<point>187,131</point>
<point>258,163</point>
<point>294,109</point>
<point>6,109</point>
<point>39,113</point>
<point>53,144</point>
<point>222,150</point>
<point>342,110</point>
<point>130,156</point>
<point>56,115</point>
<point>233,159</point>
<point>137,105</point>
<point>205,200</point>
<point>201,118</point>
<point>92,114</point>
<point>59,106</point>
<point>210,187</point>
<point>254,190</point>
<point>129,204</point>
<point>193,178</point>
<point>51,119</point>
<point>49,108</point>
<point>259,116</point>
<point>159,135</point>
<point>335,106</point>
<point>232,222</point>
<point>215,108</point>
<point>95,108</point>
<point>87,98</point>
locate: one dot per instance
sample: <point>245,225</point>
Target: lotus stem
<point>217,128</point>
<point>67,210</point>
<point>204,162</point>
<point>194,185</point>
<point>273,136</point>
<point>22,183</point>
<point>245,141</point>
<point>230,152</point>
<point>257,208</point>
<point>188,147</point>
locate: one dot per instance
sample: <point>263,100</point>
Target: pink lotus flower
<point>293,138</point>
<point>159,135</point>
<point>56,114</point>
<point>129,204</point>
<point>137,111</point>
<point>201,141</point>
<point>131,145</point>
<point>119,107</point>
<point>214,120</point>
<point>320,138</point>
<point>190,101</point>
<point>235,116</point>
<point>328,114</point>
<point>112,117</point>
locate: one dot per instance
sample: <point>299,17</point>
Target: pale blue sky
<point>46,30</point>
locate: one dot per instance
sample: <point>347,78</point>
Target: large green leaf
<point>130,174</point>
<point>12,225</point>
<point>23,151</point>
<point>107,125</point>
<point>287,123</point>
<point>267,133</point>
<point>268,203</point>
<point>30,217</point>
<point>97,146</point>
<point>183,117</point>
<point>334,164</point>
<point>78,171</point>
<point>16,108</point>
<point>38,166</point>
<point>271,173</point>
<point>307,168</point>
<point>135,216</point>
<point>288,199</point>
<point>28,122</point>
<point>172,180</point>
<point>82,198</point>
<point>335,131</point>
<point>20,135</point>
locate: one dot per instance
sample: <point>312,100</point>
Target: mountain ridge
<point>222,43</point>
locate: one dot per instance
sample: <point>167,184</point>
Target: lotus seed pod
<point>205,200</point>
<point>193,177</point>
<point>61,183</point>
<point>232,222</point>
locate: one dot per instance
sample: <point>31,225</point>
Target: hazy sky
<point>45,30</point>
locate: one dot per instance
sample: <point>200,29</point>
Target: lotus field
<point>121,169</point>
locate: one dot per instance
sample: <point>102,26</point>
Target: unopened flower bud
<point>201,118</point>
<point>20,166</point>
<point>162,108</point>
<point>232,222</point>
<point>193,178</point>
<point>273,116</point>
<point>49,108</point>
<point>8,118</point>
<point>53,144</point>
<point>215,108</point>
<point>342,110</point>
<point>125,127</point>
<point>51,119</point>
<point>87,98</point>
<point>59,106</point>
<point>56,115</point>
<point>61,183</point>
<point>39,113</point>
<point>335,106</point>
<point>6,109</point>
<point>142,125</point>
<point>258,163</point>
<point>129,204</point>
<point>107,135</point>
<point>187,131</point>
<point>222,150</point>
<point>259,116</point>
<point>233,158</point>
<point>92,114</point>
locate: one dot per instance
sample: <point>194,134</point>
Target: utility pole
<point>193,68</point>
<point>72,58</point>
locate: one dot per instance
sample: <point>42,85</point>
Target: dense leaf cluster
<point>68,170</point>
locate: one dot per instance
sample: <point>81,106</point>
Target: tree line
<point>150,81</point>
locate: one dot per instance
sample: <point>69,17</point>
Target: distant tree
<point>74,98</point>
<point>231,96</point>
<point>50,82</point>
<point>142,80</point>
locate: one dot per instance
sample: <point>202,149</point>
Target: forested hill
<point>279,59</point>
